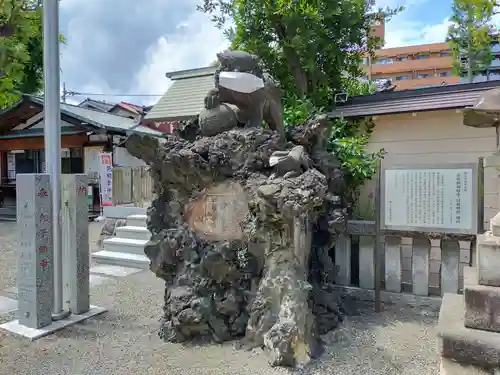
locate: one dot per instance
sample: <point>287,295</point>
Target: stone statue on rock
<point>243,95</point>
<point>241,225</point>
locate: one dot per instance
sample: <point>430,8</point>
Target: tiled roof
<point>416,100</point>
<point>102,120</point>
<point>98,104</point>
<point>185,98</point>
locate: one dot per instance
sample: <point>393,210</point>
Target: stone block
<point>435,253</point>
<point>462,344</point>
<point>495,225</point>
<point>488,259</point>
<point>482,303</point>
<point>406,264</point>
<point>75,236</point>
<point>35,275</point>
<point>434,266</point>
<point>434,279</point>
<point>492,161</point>
<point>465,256</point>
<point>449,367</point>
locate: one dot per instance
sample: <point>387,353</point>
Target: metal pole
<point>376,248</point>
<point>52,137</point>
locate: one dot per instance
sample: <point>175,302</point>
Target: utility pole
<point>64,92</point>
<point>52,137</point>
<point>470,76</point>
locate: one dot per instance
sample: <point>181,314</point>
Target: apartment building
<point>412,67</point>
<point>492,73</point>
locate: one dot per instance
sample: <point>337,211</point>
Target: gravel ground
<point>124,340</point>
<point>8,240</point>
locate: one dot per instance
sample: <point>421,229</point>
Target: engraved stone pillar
<point>75,242</point>
<point>35,274</point>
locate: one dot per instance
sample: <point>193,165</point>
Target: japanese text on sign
<point>106,178</point>
<point>429,199</point>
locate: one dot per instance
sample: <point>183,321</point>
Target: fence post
<point>420,266</point>
<point>366,262</point>
<point>343,259</point>
<point>450,260</point>
<point>393,264</point>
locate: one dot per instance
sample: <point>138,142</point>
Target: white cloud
<point>195,47</point>
<point>407,33</point>
<point>126,47</point>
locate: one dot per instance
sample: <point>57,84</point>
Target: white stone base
<point>122,211</point>
<point>34,334</point>
<point>449,367</point>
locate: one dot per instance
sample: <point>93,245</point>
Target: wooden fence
<point>422,265</point>
<point>132,185</point>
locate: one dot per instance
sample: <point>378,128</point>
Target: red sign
<point>43,193</point>
<point>44,263</point>
<point>43,249</point>
<point>106,159</point>
<point>81,190</point>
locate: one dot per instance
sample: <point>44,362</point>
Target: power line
<point>76,93</point>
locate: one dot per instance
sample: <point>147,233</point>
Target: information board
<point>434,198</point>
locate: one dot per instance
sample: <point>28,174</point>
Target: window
<point>445,74</point>
<point>384,61</point>
<point>422,75</point>
<point>445,54</point>
<point>401,78</point>
<point>402,58</point>
<point>494,75</point>
<point>422,57</point>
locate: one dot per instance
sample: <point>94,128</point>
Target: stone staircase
<point>126,249</point>
<point>469,325</point>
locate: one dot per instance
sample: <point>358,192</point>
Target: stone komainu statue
<point>226,108</point>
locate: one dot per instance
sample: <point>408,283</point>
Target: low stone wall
<point>418,263</point>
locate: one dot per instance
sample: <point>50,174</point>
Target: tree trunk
<point>293,60</point>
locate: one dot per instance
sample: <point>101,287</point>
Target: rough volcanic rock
<point>244,253</point>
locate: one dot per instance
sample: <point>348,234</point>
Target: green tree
<point>470,36</point>
<point>21,49</point>
<point>314,48</point>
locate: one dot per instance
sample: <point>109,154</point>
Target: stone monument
<point>469,325</point>
<point>35,274</point>
<point>233,222</point>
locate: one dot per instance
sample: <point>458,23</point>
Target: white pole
<point>52,135</point>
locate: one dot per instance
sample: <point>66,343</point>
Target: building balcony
<point>410,65</point>
<point>495,63</point>
<point>424,82</point>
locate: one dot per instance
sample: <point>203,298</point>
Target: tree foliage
<point>314,48</point>
<point>21,49</point>
<point>471,34</point>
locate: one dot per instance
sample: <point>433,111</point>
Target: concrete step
<point>137,220</point>
<point>122,211</point>
<point>461,344</point>
<point>121,259</point>
<point>482,303</point>
<point>134,233</point>
<point>124,245</point>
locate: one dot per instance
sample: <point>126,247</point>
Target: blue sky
<point>422,21</point>
<point>123,47</point>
